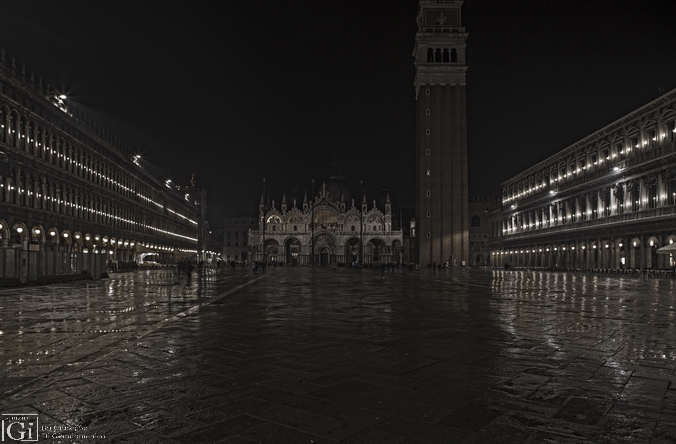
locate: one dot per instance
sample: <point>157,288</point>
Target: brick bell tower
<point>442,207</point>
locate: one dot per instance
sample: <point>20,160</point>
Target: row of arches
<point>639,252</point>
<point>611,151</point>
<point>325,249</point>
<point>442,55</point>
<point>30,190</point>
<point>22,235</point>
<point>639,194</point>
<point>34,251</point>
<point>49,145</point>
<point>327,218</point>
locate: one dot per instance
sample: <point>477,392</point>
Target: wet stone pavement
<point>303,355</point>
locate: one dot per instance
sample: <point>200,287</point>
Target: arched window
<point>11,131</point>
<point>430,55</point>
<point>437,55</point>
<point>651,193</point>
<point>30,138</point>
<point>3,124</point>
<point>21,134</point>
<point>671,190</point>
<point>39,148</point>
<point>476,221</point>
<point>454,55</point>
<point>446,57</point>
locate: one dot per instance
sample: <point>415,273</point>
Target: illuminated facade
<point>607,201</point>
<point>73,198</point>
<point>329,229</point>
<point>441,139</point>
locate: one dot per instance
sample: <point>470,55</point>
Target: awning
<point>141,249</point>
<point>669,249</point>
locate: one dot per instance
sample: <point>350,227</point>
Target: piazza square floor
<point>322,355</point>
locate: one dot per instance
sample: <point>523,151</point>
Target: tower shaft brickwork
<point>442,206</point>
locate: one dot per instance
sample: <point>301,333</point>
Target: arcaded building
<point>73,198</point>
<point>327,229</point>
<point>607,201</point>
<point>441,134</point>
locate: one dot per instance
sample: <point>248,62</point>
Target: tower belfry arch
<point>442,205</point>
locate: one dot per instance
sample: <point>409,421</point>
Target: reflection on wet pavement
<point>342,355</point>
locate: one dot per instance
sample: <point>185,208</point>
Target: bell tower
<point>442,207</point>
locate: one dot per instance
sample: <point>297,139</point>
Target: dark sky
<point>236,91</point>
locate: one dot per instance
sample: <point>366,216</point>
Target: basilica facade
<point>327,229</point>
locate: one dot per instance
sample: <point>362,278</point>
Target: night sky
<point>237,91</point>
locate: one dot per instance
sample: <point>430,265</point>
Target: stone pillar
<point>612,203</point>
<point>661,197</point>
<point>643,195</point>
<point>23,262</point>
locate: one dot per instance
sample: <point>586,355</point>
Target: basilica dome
<point>337,187</point>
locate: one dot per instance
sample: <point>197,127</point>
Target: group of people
<point>258,265</point>
<point>186,267</point>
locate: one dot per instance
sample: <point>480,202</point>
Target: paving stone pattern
<point>320,355</point>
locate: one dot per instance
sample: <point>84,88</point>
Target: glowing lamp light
<point>19,230</point>
<point>77,236</point>
<point>38,231</point>
<point>52,233</point>
<point>65,234</point>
